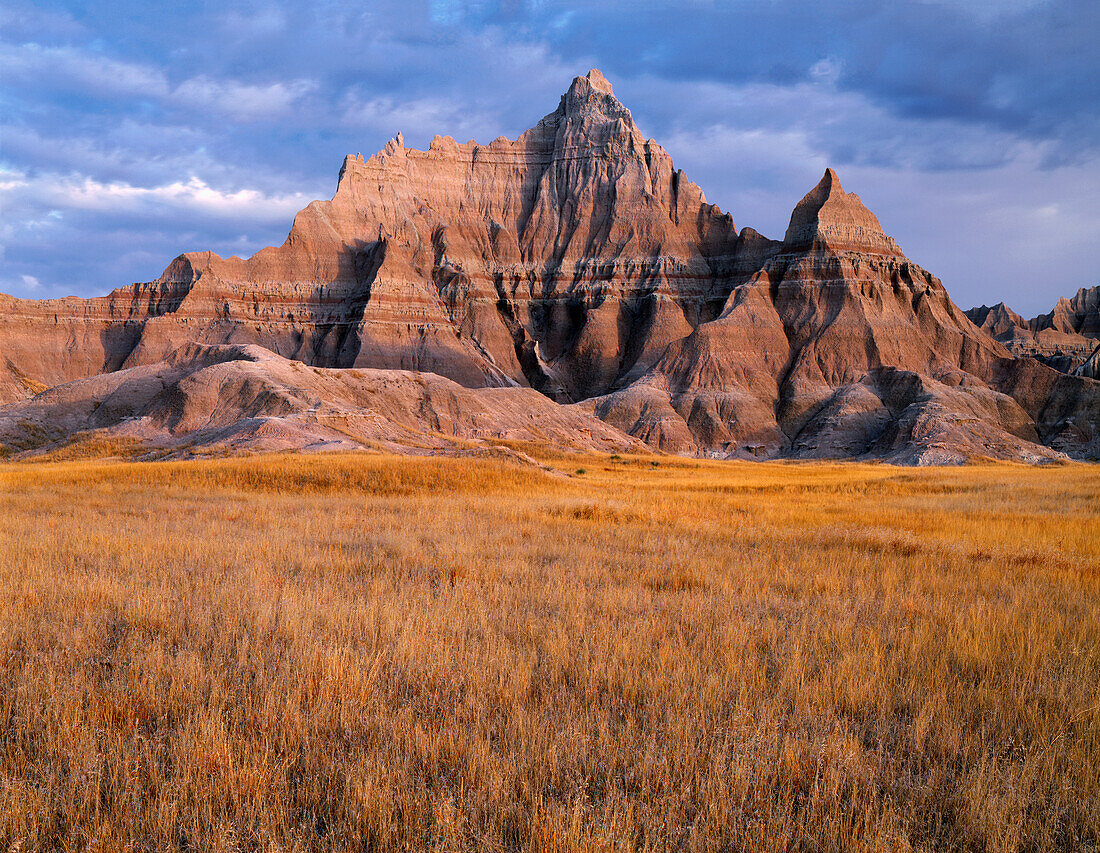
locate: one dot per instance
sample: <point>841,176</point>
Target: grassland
<point>370,653</point>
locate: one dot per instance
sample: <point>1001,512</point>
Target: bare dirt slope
<point>237,398</point>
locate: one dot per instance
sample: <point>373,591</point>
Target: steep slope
<point>46,342</point>
<point>1079,315</point>
<point>838,346</point>
<point>1063,339</point>
<point>1000,322</point>
<point>1090,367</point>
<point>560,260</point>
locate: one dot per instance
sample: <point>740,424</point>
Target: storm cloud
<point>130,133</point>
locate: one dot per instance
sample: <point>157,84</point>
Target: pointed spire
<point>829,217</point>
<point>598,81</point>
<point>590,86</point>
<point>592,95</point>
<point>807,210</point>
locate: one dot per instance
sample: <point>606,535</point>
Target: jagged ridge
<point>1063,339</point>
<point>577,260</point>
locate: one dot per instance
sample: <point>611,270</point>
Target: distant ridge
<point>1063,339</point>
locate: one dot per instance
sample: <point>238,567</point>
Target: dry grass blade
<point>366,652</point>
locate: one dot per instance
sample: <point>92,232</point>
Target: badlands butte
<point>570,287</point>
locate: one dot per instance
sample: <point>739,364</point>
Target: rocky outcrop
<point>577,262</point>
<point>1079,315</point>
<point>1065,409</point>
<point>1090,368</point>
<point>560,260</point>
<point>837,347</point>
<point>828,218</point>
<point>47,342</point>
<point>1000,322</point>
<point>239,398</point>
<point>1062,339</point>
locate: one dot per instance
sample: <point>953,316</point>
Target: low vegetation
<point>361,652</point>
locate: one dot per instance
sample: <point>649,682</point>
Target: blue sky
<point>132,132</point>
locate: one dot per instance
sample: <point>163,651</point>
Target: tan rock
<point>1062,339</point>
<point>239,398</point>
<point>829,218</point>
<point>576,261</point>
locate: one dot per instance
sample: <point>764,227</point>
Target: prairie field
<point>365,652</point>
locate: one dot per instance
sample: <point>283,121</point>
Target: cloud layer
<point>130,134</point>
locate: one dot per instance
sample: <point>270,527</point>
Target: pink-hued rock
<point>1063,339</point>
<point>829,218</point>
<point>561,259</point>
<point>837,347</point>
<point>240,398</point>
<point>579,262</point>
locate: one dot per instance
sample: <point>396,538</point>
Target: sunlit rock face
<point>578,261</point>
<point>1065,338</point>
<point>838,346</point>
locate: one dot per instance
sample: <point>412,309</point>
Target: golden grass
<point>365,652</point>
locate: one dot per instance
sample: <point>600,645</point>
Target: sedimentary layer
<point>577,262</point>
<point>1064,338</point>
<point>228,398</point>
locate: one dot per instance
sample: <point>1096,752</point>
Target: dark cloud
<point>132,132</point>
<point>1017,66</point>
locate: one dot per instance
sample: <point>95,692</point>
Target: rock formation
<point>233,398</point>
<point>1062,339</point>
<point>559,260</point>
<point>1090,368</point>
<point>837,347</point>
<point>578,262</point>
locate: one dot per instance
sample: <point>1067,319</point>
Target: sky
<point>132,132</point>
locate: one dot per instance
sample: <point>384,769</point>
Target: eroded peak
<point>593,86</point>
<point>827,199</point>
<point>829,216</point>
<point>598,81</point>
